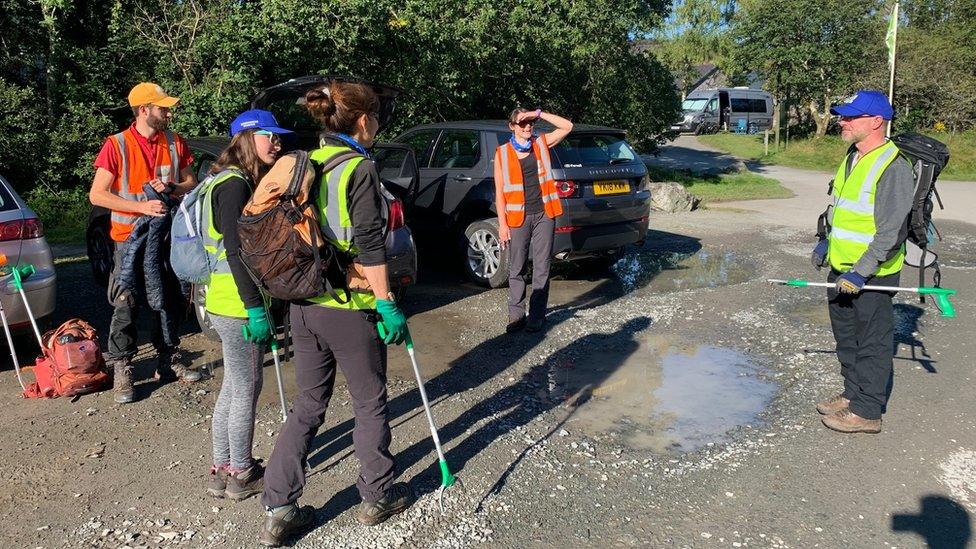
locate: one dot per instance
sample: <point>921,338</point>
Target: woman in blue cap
<point>234,304</point>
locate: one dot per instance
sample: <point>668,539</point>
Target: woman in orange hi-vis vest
<point>527,205</point>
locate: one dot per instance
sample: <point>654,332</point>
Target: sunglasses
<point>850,118</point>
<point>525,123</point>
<point>274,138</point>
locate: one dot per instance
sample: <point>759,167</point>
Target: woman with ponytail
<point>527,206</point>
<point>330,332</point>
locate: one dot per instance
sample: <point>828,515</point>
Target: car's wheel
<point>199,294</point>
<point>484,262</point>
<point>101,248</point>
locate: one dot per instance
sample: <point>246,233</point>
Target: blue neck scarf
<point>352,143</point>
<point>520,147</point>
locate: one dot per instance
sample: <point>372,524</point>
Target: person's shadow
<point>906,326</point>
<point>511,407</point>
<point>941,522</point>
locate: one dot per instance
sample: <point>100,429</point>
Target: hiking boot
<point>533,326</point>
<point>833,404</point>
<point>170,367</point>
<point>515,325</point>
<point>283,522</point>
<point>846,421</point>
<point>123,386</point>
<point>246,483</point>
<point>217,481</point>
<point>396,499</point>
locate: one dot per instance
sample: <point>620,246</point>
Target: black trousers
<point>324,338</point>
<point>864,328</point>
<point>123,329</point>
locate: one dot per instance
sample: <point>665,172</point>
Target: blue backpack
<point>188,256</point>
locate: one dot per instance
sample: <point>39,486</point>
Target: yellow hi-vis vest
<point>222,296</point>
<point>336,222</point>
<point>853,225</point>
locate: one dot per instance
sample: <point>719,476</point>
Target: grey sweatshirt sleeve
<point>892,204</point>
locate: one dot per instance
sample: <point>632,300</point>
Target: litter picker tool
<point>277,365</point>
<point>447,478</point>
<point>941,295</point>
<point>21,273</point>
<point>6,329</point>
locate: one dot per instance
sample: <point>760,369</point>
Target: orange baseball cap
<point>147,93</point>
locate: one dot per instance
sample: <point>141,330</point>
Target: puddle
<point>660,395</point>
<point>665,272</point>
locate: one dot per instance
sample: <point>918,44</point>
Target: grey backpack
<point>187,255</point>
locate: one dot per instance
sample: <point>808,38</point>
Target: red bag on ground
<point>72,363</point>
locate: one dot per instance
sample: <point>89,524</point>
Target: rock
<point>671,197</point>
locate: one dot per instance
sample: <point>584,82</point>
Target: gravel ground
<point>561,438</point>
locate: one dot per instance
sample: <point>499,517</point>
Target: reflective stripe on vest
<point>336,221</point>
<point>852,224</point>
<point>135,171</point>
<point>513,186</point>
<point>222,296</point>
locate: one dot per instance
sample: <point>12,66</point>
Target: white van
<point>740,110</point>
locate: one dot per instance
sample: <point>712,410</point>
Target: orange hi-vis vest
<point>513,187</point>
<point>134,172</point>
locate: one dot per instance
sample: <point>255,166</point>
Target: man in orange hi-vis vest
<point>528,204</point>
<point>144,153</point>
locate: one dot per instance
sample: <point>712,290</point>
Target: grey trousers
<point>325,337</point>
<point>233,416</point>
<point>535,235</point>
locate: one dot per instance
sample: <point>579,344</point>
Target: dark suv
<point>602,182</point>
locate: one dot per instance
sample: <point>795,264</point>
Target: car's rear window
<point>591,149</point>
<point>6,201</point>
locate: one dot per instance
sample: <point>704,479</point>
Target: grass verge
<point>64,213</point>
<point>825,154</point>
<point>723,187</point>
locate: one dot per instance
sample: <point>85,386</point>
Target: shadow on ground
<point>941,522</point>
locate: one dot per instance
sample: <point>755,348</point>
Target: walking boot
<point>170,367</point>
<point>395,501</point>
<point>833,404</point>
<point>246,483</point>
<point>847,421</point>
<point>217,481</point>
<point>123,385</point>
<point>283,522</point>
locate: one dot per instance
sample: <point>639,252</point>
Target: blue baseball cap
<point>865,102</point>
<point>255,119</point>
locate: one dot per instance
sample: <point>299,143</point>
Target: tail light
<point>397,219</point>
<point>567,229</point>
<point>21,229</point>
<point>566,189</point>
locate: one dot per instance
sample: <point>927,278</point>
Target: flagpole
<point>893,46</point>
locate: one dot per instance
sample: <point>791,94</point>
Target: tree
<point>696,33</point>
<point>819,50</point>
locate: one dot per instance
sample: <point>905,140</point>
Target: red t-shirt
<point>108,157</point>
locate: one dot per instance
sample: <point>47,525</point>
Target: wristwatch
<point>391,297</point>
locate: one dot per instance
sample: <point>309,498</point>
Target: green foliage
<point>64,212</point>
<point>66,67</point>
<point>696,33</point>
<point>817,51</point>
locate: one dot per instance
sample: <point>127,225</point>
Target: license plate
<point>611,187</point>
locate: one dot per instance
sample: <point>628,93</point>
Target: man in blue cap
<point>872,197</point>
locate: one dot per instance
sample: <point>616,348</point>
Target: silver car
<point>22,242</point>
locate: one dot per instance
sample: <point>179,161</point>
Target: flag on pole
<point>892,37</point>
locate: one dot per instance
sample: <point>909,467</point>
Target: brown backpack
<point>281,242</point>
<point>71,363</point>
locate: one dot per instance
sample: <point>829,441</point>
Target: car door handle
<point>461,178</point>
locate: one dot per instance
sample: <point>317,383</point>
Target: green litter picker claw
<point>941,295</point>
<point>447,478</point>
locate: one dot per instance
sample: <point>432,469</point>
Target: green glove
<point>258,327</point>
<point>393,326</point>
